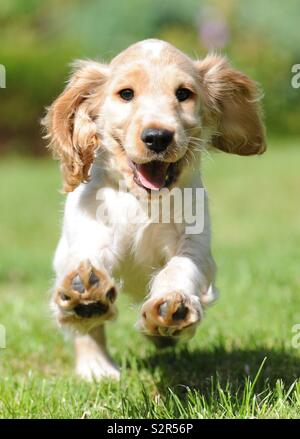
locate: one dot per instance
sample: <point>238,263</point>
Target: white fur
<point>153,47</point>
<point>154,259</point>
<point>187,257</point>
<point>86,236</point>
<point>93,361</point>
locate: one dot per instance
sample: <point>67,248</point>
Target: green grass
<point>240,364</point>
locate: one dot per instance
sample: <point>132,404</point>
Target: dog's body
<point>141,123</point>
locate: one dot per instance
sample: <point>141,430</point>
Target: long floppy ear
<point>232,107</point>
<point>70,122</point>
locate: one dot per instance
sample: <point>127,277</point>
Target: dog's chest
<point>133,278</point>
<point>145,247</point>
<point>141,243</point>
<point>145,253</point>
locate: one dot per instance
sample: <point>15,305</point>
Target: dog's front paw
<point>85,298</point>
<point>173,316</point>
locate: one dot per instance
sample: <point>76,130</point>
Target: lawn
<point>241,362</point>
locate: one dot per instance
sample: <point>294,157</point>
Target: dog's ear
<point>231,106</point>
<point>70,122</point>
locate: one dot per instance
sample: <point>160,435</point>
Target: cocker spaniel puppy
<point>129,133</point>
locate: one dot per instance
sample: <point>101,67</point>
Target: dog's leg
<point>184,286</point>
<point>84,295</point>
<point>92,359</point>
<point>83,300</point>
<point>178,294</point>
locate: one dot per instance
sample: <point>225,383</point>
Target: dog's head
<point>151,110</point>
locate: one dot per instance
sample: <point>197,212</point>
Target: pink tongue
<point>152,175</point>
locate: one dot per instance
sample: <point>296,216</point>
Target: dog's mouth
<point>154,175</point>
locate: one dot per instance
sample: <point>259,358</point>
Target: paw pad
<point>93,279</point>
<point>173,316</point>
<point>91,309</point>
<point>111,294</point>
<point>77,284</point>
<point>181,313</point>
<point>86,294</point>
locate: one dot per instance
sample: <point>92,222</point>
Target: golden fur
<point>98,137</point>
<point>231,111</point>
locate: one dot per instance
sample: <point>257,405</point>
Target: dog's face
<point>151,110</point>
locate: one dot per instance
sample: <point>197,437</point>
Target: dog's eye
<point>182,94</point>
<point>126,94</point>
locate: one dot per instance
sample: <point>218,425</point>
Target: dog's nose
<point>157,139</point>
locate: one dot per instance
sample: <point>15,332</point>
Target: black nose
<point>157,139</point>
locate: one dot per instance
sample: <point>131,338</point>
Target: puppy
<point>128,133</point>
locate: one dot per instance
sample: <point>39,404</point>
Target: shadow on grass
<point>201,369</point>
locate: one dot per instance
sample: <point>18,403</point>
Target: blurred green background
<point>39,40</point>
